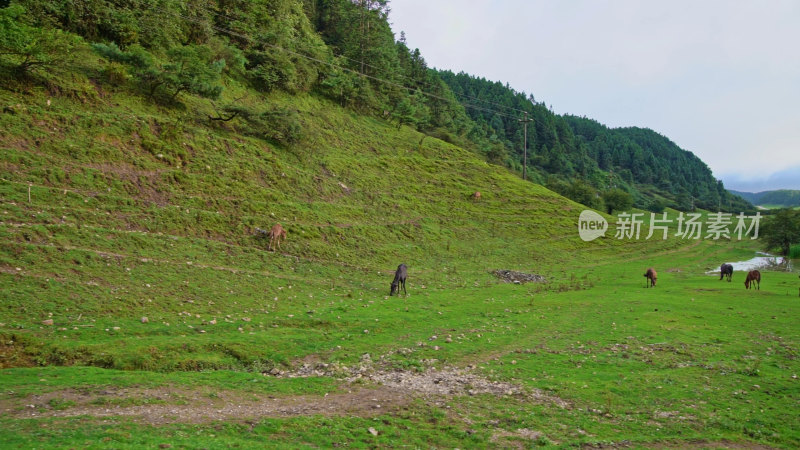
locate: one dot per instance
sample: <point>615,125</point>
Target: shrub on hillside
<point>657,206</point>
<point>275,124</point>
<point>617,199</point>
<point>188,68</point>
<point>26,49</point>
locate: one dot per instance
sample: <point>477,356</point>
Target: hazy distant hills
<point>781,198</point>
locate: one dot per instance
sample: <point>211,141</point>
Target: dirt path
<point>164,405</point>
<point>366,395</point>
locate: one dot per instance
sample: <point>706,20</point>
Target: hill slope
<point>115,205</point>
<point>296,47</point>
<point>139,306</point>
<point>641,161</point>
<point>786,198</point>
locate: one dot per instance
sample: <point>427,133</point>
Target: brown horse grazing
<point>725,270</point>
<point>399,280</point>
<point>651,276</point>
<point>753,276</point>
<point>276,234</point>
<point>476,197</point>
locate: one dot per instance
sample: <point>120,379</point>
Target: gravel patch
<point>512,276</point>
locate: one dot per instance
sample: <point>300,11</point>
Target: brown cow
<point>753,276</point>
<point>651,276</point>
<point>276,234</point>
<point>476,197</point>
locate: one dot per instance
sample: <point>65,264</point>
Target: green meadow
<point>140,304</point>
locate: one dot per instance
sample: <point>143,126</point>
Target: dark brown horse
<point>725,270</point>
<point>753,276</point>
<point>651,276</point>
<point>399,280</point>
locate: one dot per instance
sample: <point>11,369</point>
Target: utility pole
<point>525,147</point>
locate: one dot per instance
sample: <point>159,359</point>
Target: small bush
<point>276,124</point>
<point>116,74</point>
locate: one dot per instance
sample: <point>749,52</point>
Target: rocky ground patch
<point>512,276</point>
<point>368,389</point>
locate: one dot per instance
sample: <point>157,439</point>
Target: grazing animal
<point>476,196</point>
<point>651,276</point>
<point>399,280</point>
<point>726,270</point>
<point>753,276</point>
<point>276,234</point>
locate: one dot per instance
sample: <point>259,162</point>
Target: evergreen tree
<point>187,69</point>
<point>27,49</point>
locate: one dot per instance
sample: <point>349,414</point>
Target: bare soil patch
<point>365,393</point>
<point>521,438</point>
<point>178,405</point>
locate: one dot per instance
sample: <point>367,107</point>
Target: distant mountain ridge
<point>780,197</point>
<point>571,154</point>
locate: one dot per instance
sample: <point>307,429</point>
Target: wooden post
<point>525,147</point>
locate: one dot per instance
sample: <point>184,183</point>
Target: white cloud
<point>783,179</point>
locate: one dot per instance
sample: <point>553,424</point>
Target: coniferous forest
<point>345,50</point>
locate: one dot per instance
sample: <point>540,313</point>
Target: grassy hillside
<point>112,205</point>
<point>114,208</point>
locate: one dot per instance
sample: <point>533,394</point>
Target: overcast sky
<point>720,78</point>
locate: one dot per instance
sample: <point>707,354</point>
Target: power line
<point>319,61</point>
<point>424,83</point>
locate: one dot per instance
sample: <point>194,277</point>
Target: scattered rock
<point>511,276</point>
<point>372,431</point>
<point>145,319</point>
<point>47,322</point>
